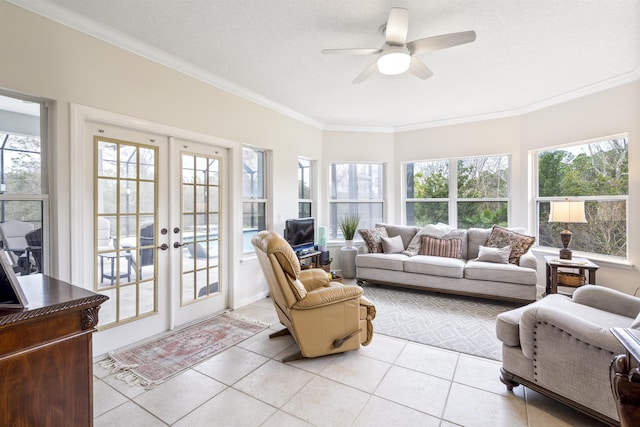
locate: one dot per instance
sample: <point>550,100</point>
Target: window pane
<point>253,216</point>
<point>595,169</point>
<point>252,174</point>
<point>482,214</point>
<point>304,210</point>
<point>20,161</point>
<point>428,180</point>
<point>423,213</point>
<point>604,233</point>
<point>304,179</point>
<point>370,214</point>
<point>598,173</point>
<point>356,181</point>
<point>483,177</point>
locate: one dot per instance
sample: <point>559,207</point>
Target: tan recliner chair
<point>323,317</point>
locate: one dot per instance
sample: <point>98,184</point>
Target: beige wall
<point>602,114</point>
<point>43,58</point>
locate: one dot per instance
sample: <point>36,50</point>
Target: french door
<point>158,232</point>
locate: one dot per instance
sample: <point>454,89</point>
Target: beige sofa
<point>562,347</point>
<point>464,276</point>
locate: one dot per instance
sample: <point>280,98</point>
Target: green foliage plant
<point>349,225</point>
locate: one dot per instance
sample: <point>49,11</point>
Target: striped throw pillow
<point>449,248</point>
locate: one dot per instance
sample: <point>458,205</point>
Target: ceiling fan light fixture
<point>394,60</point>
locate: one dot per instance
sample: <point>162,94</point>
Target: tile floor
<point>391,382</point>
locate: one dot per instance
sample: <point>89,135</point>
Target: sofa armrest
<point>326,296</point>
<point>577,327</point>
<point>314,278</point>
<point>607,299</point>
<point>528,260</point>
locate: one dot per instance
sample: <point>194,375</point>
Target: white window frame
<point>535,215</point>
<point>453,198</point>
<point>312,186</point>
<point>334,230</point>
<point>266,191</point>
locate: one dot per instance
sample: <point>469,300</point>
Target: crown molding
<point>123,41</point>
<point>118,39</point>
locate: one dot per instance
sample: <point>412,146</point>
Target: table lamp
<point>566,211</point>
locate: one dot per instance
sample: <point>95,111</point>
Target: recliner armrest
<point>326,296</point>
<point>607,299</point>
<point>577,327</point>
<point>314,278</point>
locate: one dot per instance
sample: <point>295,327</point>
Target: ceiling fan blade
<point>418,69</point>
<point>397,26</point>
<point>366,73</point>
<point>440,42</point>
<point>354,51</point>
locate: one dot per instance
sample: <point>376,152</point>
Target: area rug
<point>155,361</point>
<point>459,323</point>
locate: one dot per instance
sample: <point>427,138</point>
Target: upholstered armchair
<point>323,317</point>
<point>562,346</point>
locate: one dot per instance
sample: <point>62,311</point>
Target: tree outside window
<point>470,192</point>
<point>598,173</point>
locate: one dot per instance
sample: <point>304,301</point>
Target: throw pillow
<point>501,237</point>
<point>449,248</point>
<point>432,230</point>
<point>372,238</point>
<point>497,255</point>
<point>392,245</point>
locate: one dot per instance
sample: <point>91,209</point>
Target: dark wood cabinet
<point>46,376</point>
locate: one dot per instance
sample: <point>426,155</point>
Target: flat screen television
<point>300,233</point>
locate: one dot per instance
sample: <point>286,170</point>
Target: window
<point>594,171</point>
<point>304,188</point>
<point>355,188</point>
<point>470,192</point>
<point>23,185</point>
<point>254,195</point>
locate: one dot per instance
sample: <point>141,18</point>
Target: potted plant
<point>349,225</point>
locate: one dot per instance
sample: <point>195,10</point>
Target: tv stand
<point>310,253</point>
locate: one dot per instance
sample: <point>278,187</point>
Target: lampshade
<point>567,211</point>
<point>394,60</point>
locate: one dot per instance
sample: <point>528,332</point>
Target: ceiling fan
<point>397,55</point>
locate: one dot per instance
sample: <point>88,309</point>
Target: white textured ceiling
<point>528,53</point>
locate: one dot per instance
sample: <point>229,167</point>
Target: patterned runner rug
<point>155,361</point>
<point>464,324</point>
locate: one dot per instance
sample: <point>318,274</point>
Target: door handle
<point>163,247</point>
<point>177,245</point>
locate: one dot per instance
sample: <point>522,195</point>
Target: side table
<point>581,264</point>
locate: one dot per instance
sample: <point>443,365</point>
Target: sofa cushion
<point>497,255</point>
<point>505,273</point>
<point>449,248</point>
<point>435,266</point>
<point>406,232</point>
<point>392,245</point>
<point>519,243</point>
<point>372,238</point>
<point>475,238</point>
<point>432,230</point>
<point>382,261</point>
<point>459,234</point>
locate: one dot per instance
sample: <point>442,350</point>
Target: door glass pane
<point>200,227</point>
<point>125,226</point>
